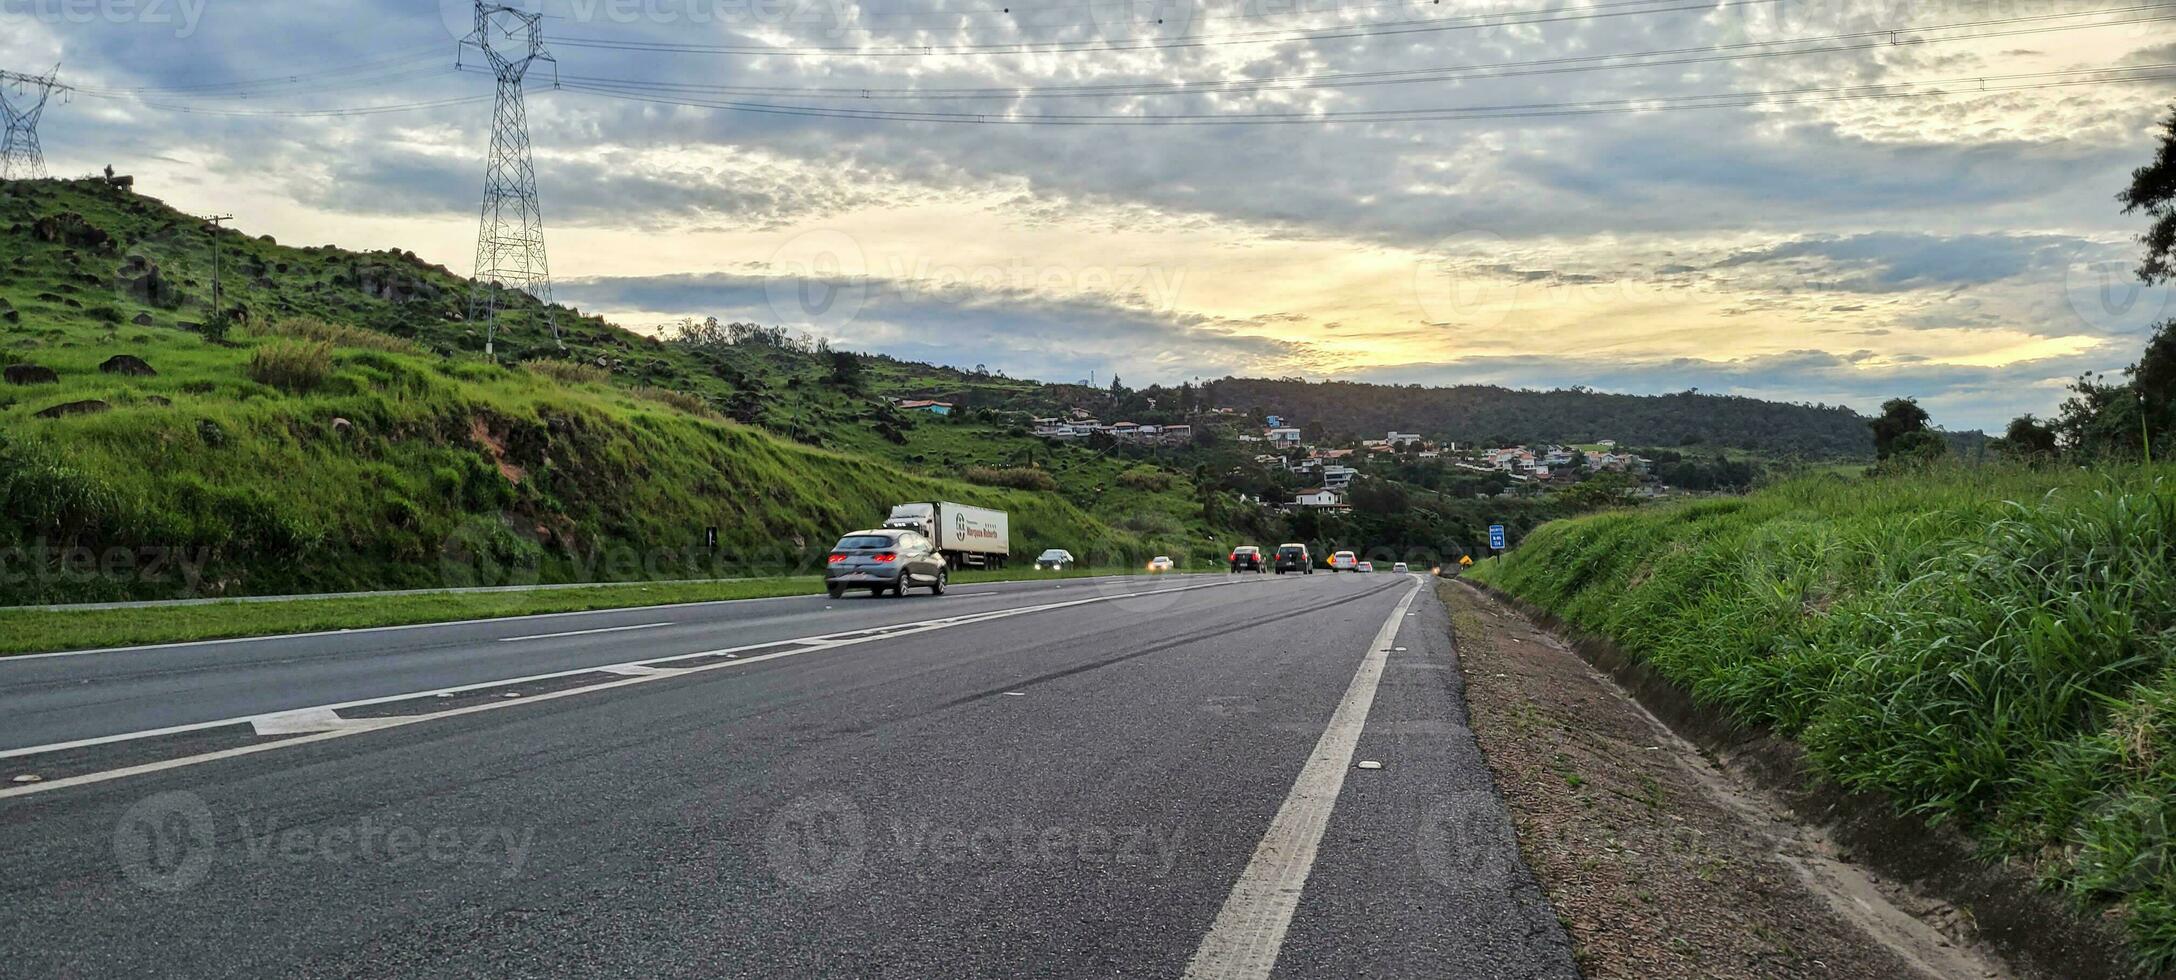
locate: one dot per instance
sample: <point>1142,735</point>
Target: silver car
<point>1054,560</point>
<point>885,560</point>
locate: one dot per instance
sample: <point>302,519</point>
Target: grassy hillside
<point>1993,648</point>
<point>346,436</point>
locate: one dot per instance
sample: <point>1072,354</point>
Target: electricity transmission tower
<point>510,243</point>
<point>20,157</point>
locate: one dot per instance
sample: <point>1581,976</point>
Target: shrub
<point>677,399</point>
<point>1018,477</point>
<point>568,372</point>
<point>1145,478</point>
<point>290,365</point>
<point>334,334</point>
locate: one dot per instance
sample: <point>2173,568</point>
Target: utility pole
<point>20,156</point>
<point>215,219</point>
<point>510,241</point>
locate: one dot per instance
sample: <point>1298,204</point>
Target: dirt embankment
<point>1659,864</point>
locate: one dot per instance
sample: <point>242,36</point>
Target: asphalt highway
<point>1118,778</point>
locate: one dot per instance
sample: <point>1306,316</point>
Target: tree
<point>846,369</point>
<point>1899,417</point>
<point>2028,438</point>
<point>2153,191</point>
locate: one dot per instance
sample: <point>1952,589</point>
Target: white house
<point>1283,436</point>
<point>1402,438</point>
<point>1317,497</point>
<point>1338,477</point>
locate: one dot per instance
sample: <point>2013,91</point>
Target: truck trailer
<point>969,537</point>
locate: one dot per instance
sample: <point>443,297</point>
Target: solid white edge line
<point>602,629</point>
<point>816,644</point>
<point>1249,930</point>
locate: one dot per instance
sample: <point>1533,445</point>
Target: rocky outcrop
<point>31,374</point>
<point>128,364</point>
<point>90,406</point>
<point>70,229</point>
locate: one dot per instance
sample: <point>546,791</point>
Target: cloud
<point>1905,234</point>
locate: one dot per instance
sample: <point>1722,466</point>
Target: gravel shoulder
<point>1657,862</point>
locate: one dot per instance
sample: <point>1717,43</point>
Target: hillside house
<point>1317,497</point>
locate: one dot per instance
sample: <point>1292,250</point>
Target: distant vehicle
<point>1366,566</point>
<point>885,560</point>
<point>1343,561</point>
<point>1294,558</point>
<point>1054,560</point>
<point>1400,567</point>
<point>967,537</point>
<point>1160,563</point>
<point>1248,558</point>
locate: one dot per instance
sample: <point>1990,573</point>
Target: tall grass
<point>1993,648</point>
<point>335,334</point>
<point>1017,477</point>
<point>291,366</point>
<point>568,372</point>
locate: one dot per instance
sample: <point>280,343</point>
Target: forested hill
<point>1500,416</point>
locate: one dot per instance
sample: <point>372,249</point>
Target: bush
<point>1018,478</point>
<point>568,372</point>
<point>290,365</point>
<point>1145,478</point>
<point>677,399</point>
<point>334,334</point>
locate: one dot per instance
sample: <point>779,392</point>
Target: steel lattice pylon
<point>20,156</point>
<point>510,243</point>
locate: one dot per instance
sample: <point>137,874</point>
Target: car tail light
<point>1234,557</point>
<point>835,559</point>
<point>887,556</point>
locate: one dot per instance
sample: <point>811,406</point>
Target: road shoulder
<point>1658,863</point>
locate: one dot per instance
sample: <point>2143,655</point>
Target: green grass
<point>1993,648</point>
<point>341,441</point>
<point>41,631</point>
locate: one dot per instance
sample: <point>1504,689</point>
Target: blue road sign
<point>1496,536</point>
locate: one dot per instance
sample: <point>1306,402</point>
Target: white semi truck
<point>969,537</point>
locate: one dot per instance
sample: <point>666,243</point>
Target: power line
<point>1672,57</point>
<point>1738,99</point>
<point>364,110</point>
<point>208,89</point>
<point>1384,29</point>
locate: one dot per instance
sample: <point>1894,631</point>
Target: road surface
<point>1129,777</point>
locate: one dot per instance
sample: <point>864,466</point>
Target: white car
<point>1160,563</point>
<point>1054,560</point>
<point>1344,561</point>
<point>1366,566</point>
<point>1400,567</point>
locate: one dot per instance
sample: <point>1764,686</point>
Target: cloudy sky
<point>1635,195</point>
